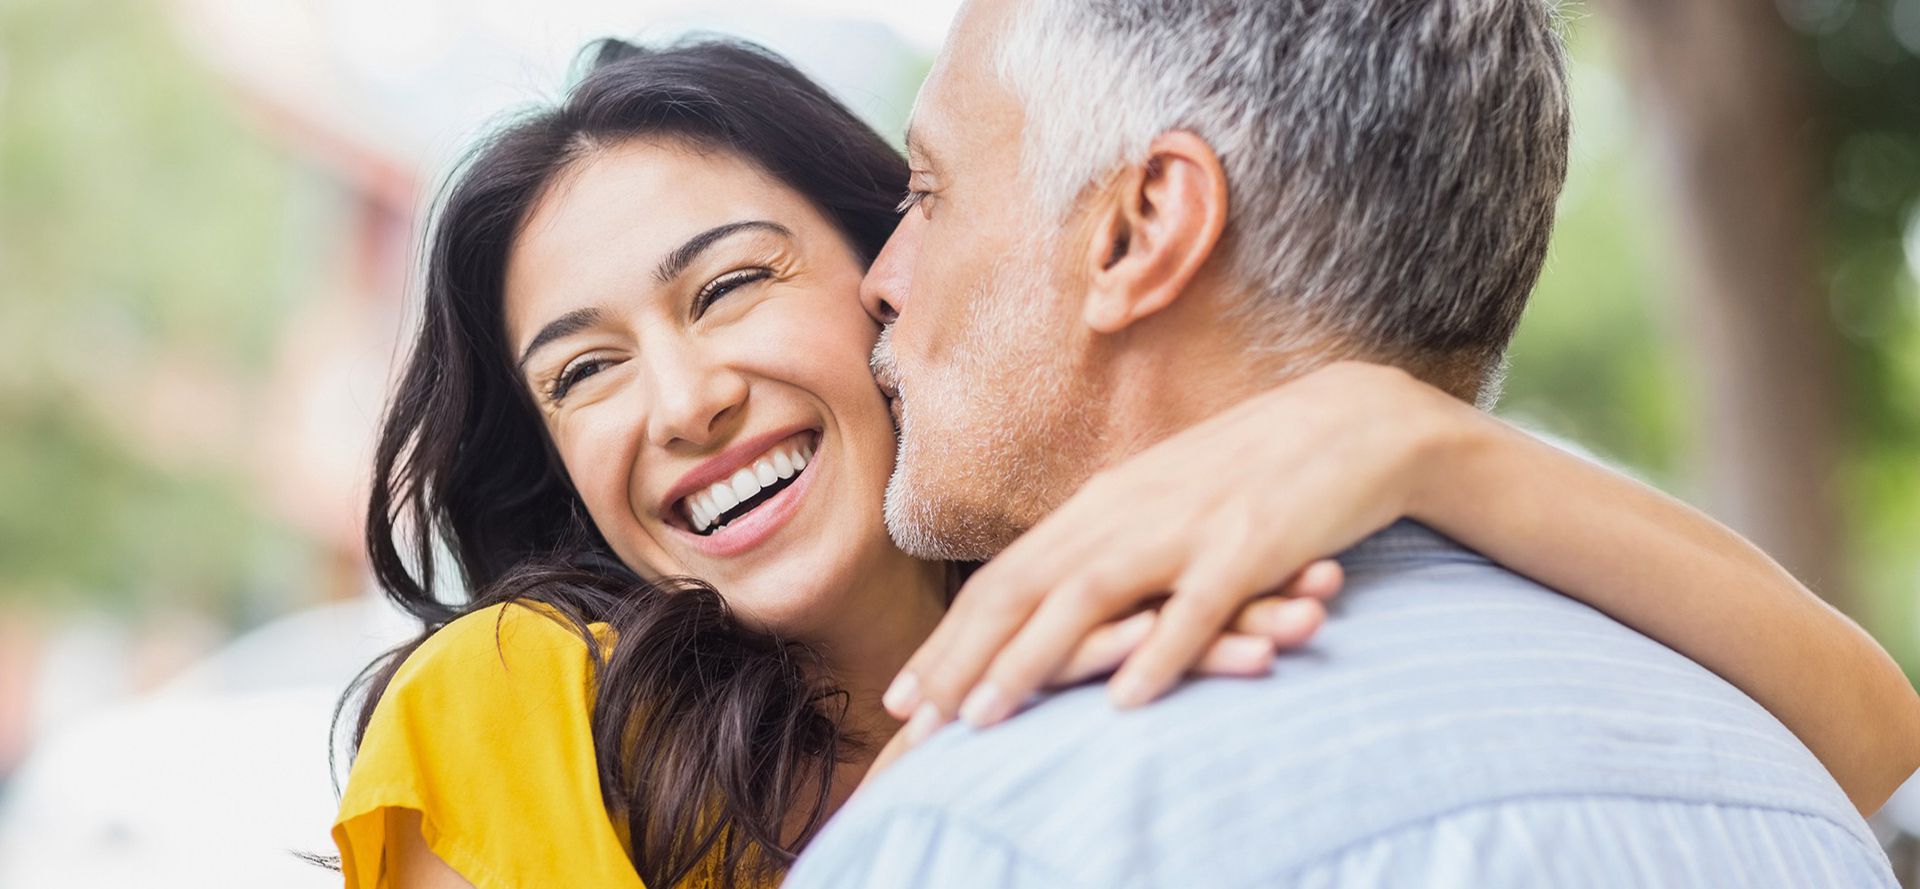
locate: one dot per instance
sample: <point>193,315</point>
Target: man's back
<point>1454,725</point>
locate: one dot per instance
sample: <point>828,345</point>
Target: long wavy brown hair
<point>710,736</point>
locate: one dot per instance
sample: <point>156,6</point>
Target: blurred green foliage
<point>143,224</point>
<point>1868,55</point>
<point>1600,355</point>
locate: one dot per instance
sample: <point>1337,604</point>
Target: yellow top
<point>490,742</point>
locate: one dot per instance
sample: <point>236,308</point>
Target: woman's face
<point>690,331</point>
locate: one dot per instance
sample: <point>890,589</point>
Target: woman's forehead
<point>606,223</point>
<point>645,192</point>
<point>630,206</point>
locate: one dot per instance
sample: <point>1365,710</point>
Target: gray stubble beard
<point>1014,460</point>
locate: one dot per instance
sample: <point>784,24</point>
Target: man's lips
<point>890,391</point>
<point>723,465</point>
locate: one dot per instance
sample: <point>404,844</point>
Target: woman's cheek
<point>599,474</point>
<point>832,330</point>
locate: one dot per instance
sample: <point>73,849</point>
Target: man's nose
<point>693,401</point>
<point>884,289</point>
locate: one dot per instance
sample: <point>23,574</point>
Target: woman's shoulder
<point>486,729</point>
<point>498,685</point>
<point>507,670</point>
<point>510,642</point>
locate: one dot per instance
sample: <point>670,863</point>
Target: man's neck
<point>1168,380</point>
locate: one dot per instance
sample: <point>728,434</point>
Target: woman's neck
<point>901,604</point>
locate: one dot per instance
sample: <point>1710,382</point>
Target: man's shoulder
<point>1443,683</point>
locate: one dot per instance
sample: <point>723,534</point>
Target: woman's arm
<point>1691,583</point>
<point>1225,510</point>
<point>411,865</point>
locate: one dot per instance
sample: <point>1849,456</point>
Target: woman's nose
<point>694,402</point>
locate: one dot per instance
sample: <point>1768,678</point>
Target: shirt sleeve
<point>485,731</point>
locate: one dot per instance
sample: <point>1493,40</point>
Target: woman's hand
<point>1247,647</point>
<point>1210,518</point>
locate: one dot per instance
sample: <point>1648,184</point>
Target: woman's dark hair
<point>709,734</point>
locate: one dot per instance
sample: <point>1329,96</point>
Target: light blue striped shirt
<point>1455,725</point>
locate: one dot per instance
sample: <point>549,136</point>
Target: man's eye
<point>725,284</point>
<point>914,199</point>
<point>571,376</point>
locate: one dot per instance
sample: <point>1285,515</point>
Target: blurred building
<point>149,768</point>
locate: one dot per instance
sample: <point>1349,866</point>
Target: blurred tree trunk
<point>1725,99</point>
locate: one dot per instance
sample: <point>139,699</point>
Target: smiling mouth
<point>710,510</point>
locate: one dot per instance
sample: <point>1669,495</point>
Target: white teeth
<point>744,485</point>
<point>723,498</point>
<point>705,508</point>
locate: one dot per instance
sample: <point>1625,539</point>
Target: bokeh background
<point>209,213</point>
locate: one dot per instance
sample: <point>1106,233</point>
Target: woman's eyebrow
<point>684,255</point>
<point>566,325</point>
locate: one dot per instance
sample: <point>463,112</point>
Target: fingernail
<point>982,706</point>
<point>924,721</point>
<point>902,694</point>
<point>1126,690</point>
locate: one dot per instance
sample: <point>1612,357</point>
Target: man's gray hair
<point>1392,165</point>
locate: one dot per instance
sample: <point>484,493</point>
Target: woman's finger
<point>980,624</point>
<point>1103,650</point>
<point>1289,623</point>
<point>1066,618</point>
<point>1237,654</point>
<point>1200,608</point>
<point>985,597</point>
<point>998,672</point>
<point>1320,580</point>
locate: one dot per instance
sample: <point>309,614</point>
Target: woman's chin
<point>790,614</point>
<point>803,594</point>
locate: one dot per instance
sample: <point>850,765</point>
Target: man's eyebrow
<point>917,154</point>
<point>566,325</point>
<point>684,255</point>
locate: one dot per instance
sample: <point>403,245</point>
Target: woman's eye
<point>571,376</point>
<point>724,285</point>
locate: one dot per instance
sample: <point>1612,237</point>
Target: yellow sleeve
<point>484,731</point>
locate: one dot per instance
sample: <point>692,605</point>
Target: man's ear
<point>1152,230</point>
